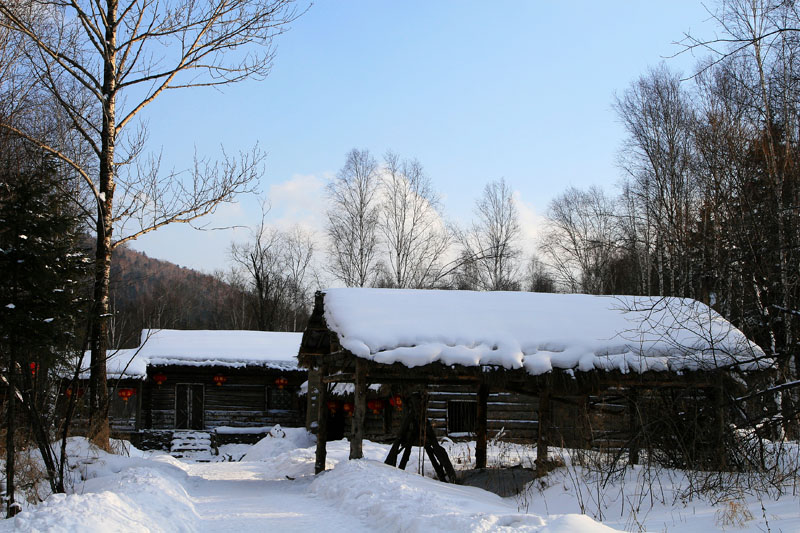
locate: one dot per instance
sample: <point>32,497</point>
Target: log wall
<point>242,401</point>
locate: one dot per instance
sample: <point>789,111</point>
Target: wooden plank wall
<point>577,421</point>
<point>240,402</point>
<point>515,414</point>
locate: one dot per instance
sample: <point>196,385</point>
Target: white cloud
<point>299,201</point>
<point>531,223</point>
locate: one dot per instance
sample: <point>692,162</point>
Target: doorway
<point>189,403</point>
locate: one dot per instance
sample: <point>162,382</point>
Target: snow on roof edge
<point>538,332</point>
<point>265,349</point>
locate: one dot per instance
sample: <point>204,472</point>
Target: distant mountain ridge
<point>153,293</point>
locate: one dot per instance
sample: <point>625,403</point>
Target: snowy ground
<point>272,488</point>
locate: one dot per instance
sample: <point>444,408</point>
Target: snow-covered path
<point>239,497</point>
<point>157,493</point>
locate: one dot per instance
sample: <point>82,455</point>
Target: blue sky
<point>475,90</point>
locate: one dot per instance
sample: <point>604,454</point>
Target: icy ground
<point>272,488</point>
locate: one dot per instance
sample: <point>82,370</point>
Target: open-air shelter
<point>543,345</point>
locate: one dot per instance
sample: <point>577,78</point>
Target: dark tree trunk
<point>40,433</point>
<point>12,508</point>
<point>98,387</point>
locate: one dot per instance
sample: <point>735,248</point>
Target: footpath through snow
<point>272,489</point>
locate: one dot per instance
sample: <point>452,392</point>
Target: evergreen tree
<point>41,299</point>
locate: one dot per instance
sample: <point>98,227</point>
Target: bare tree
<point>491,244</point>
<point>263,261</point>
<point>139,49</point>
<point>272,267</point>
<point>581,239</point>
<point>658,156</point>
<point>353,217</point>
<point>758,49</point>
<point>298,252</point>
<point>415,236</point>
<point>537,277</point>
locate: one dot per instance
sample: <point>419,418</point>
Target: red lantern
<point>125,394</point>
<point>159,378</point>
<point>69,392</point>
<point>397,402</point>
<point>333,405</point>
<point>376,406</point>
<point>348,408</point>
<point>219,379</point>
<point>281,382</point>
<point>34,368</point>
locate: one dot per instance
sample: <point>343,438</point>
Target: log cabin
<point>553,369</point>
<point>219,381</point>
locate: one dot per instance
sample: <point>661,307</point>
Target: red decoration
<point>376,406</point>
<point>397,402</point>
<point>159,378</point>
<point>281,382</point>
<point>34,368</point>
<point>333,405</point>
<point>348,408</point>
<point>125,394</point>
<point>219,379</point>
<point>69,392</point>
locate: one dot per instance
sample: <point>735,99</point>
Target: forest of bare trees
<point>386,228</point>
<point>710,204</point>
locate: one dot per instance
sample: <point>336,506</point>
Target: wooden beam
<point>480,441</point>
<point>718,395</point>
<point>385,380</point>
<point>453,380</point>
<point>359,411</point>
<point>339,378</point>
<point>322,422</point>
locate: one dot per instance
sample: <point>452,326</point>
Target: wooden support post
<point>448,473</point>
<point>359,410</point>
<point>586,422</point>
<point>635,426</point>
<point>544,430</point>
<point>720,423</point>
<point>440,474</point>
<point>480,441</point>
<point>322,421</point>
<point>391,458</point>
<point>406,456</point>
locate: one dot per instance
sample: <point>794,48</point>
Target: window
<point>461,416</point>
<point>280,399</point>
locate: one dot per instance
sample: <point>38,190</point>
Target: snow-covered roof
<point>535,331</point>
<point>230,348</point>
<point>119,364</point>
